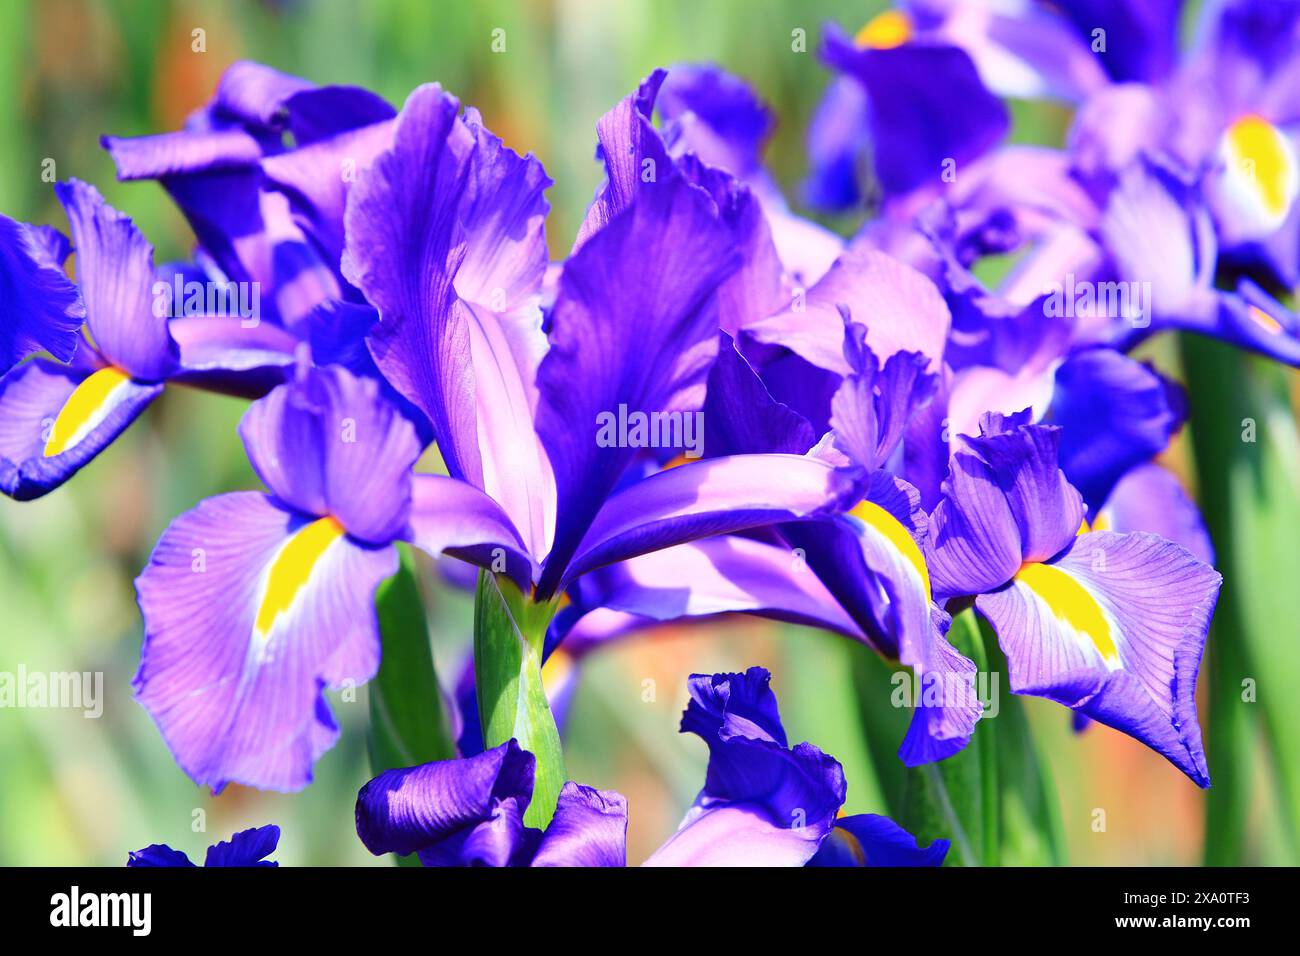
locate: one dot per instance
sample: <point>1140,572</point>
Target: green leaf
<point>509,632</point>
<point>1248,459</point>
<point>408,724</point>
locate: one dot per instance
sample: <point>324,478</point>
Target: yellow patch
<point>885,31</point>
<point>1265,321</point>
<point>877,517</point>
<point>291,569</point>
<point>84,409</point>
<point>1070,601</point>
<point>1262,153</point>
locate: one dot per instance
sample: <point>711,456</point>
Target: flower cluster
<point>888,440</point>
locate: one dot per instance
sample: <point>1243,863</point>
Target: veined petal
<point>232,355</point>
<point>250,611</point>
<point>455,517</point>
<point>589,829</point>
<point>404,246</point>
<point>1114,629</point>
<point>708,497</point>
<point>115,273</point>
<point>433,808</point>
<point>715,576</point>
<point>327,443</point>
<point>656,268</point>
<point>54,420</point>
<point>40,310</point>
<point>901,308</point>
<point>1005,502</point>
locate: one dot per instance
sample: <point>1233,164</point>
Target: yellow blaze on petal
<point>877,517</point>
<point>291,568</point>
<point>1101,522</point>
<point>1261,153</point>
<point>1265,321</point>
<point>556,670</point>
<point>1070,601</point>
<point>885,31</point>
<point>85,408</point>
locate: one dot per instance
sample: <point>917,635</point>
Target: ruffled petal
<point>589,829</point>
<point>250,611</point>
<point>40,310</point>
<point>436,806</point>
<point>1115,629</point>
<point>54,420</point>
<point>763,803</point>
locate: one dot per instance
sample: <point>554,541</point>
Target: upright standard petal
<point>404,245</point>
<point>634,326</point>
<point>251,610</point>
<point>115,273</point>
<point>40,310</point>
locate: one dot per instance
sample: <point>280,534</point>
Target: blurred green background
<point>81,791</point>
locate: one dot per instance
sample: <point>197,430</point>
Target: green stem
<point>509,634</point>
<point>986,740</point>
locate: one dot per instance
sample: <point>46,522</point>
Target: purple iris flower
<point>1196,146</point>
<point>245,848</point>
<point>56,418</point>
<point>1111,625</point>
<point>763,803</point>
<point>444,237</point>
<point>518,407</point>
